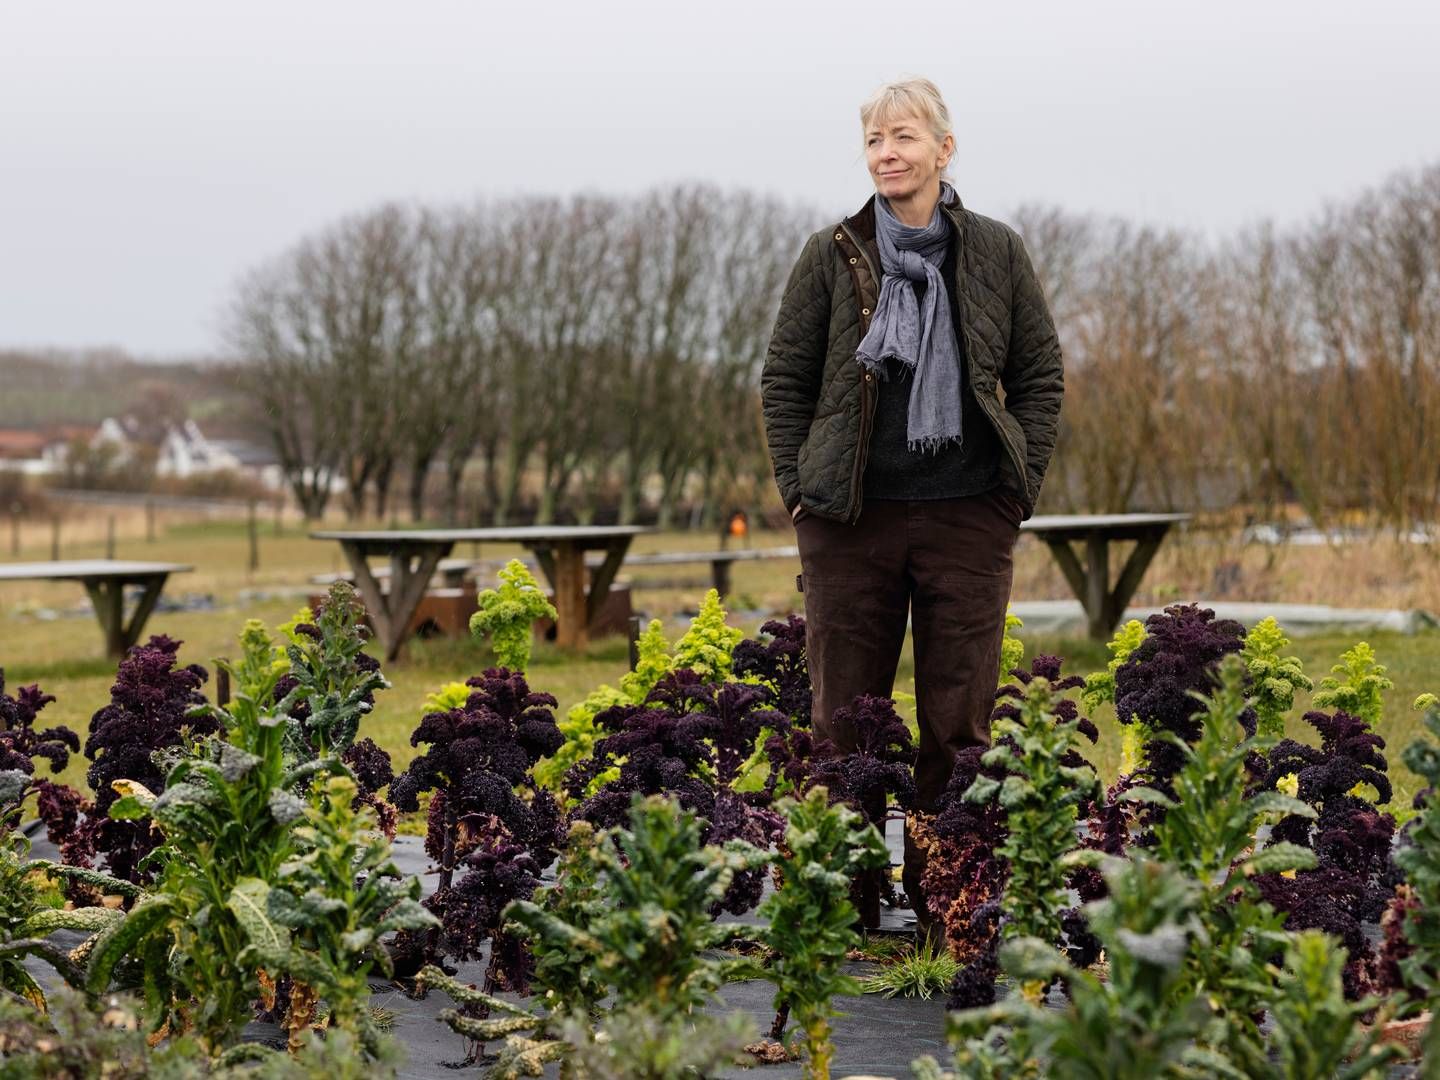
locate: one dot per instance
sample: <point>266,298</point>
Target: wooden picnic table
<point>105,580</point>
<point>416,553</point>
<point>1104,604</point>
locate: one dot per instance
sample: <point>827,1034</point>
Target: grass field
<point>63,653</point>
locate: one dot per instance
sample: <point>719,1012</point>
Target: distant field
<point>63,653</point>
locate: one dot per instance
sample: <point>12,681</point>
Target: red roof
<point>15,443</point>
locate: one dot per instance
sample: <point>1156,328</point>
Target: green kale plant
<point>332,903</point>
<point>227,815</point>
<point>809,922</point>
<point>1356,685</point>
<point>628,918</point>
<point>708,646</point>
<point>1208,835</point>
<point>1041,796</point>
<point>1012,649</point>
<point>1419,858</point>
<point>1315,1033</point>
<point>507,615</point>
<point>1274,679</point>
<point>28,917</point>
<point>1141,1024</point>
<point>637,1044</point>
<point>331,682</point>
<point>578,726</point>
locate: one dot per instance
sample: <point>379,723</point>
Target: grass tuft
<point>918,972</point>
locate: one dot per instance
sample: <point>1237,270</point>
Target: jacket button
<point>869,377</point>
<point>864,310</point>
<point>854,261</point>
<point>839,236</point>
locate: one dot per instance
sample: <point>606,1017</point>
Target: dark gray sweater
<point>893,471</point>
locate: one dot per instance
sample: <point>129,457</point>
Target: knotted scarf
<point>918,334</point>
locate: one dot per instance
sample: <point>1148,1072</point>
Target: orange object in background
<point>739,525</point>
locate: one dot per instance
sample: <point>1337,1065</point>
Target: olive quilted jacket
<point>819,404</point>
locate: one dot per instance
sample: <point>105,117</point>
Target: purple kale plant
<point>1156,686</point>
<point>880,767</point>
<point>689,740</point>
<point>781,665</point>
<point>150,711</point>
<point>489,821</point>
<point>22,744</point>
<point>1353,879</point>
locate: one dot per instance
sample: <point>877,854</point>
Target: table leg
<point>1097,587</point>
<point>572,622</point>
<point>108,598</point>
<point>375,601</point>
<point>1134,569</point>
<point>604,577</point>
<point>411,569</point>
<point>1090,582</point>
<point>152,586</point>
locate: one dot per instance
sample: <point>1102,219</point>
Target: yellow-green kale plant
<point>1274,679</point>
<point>1100,689</point>
<point>507,615</point>
<point>1356,685</point>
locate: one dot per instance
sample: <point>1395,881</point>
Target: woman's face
<point>904,157</point>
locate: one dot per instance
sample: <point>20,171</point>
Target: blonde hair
<point>907,97</point>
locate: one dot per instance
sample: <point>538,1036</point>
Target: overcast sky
<point>151,151</point>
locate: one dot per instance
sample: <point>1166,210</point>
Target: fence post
<point>15,528</point>
<point>635,623</point>
<point>254,530</point>
<point>222,684</point>
<point>110,537</point>
<point>55,538</point>
<point>149,521</point>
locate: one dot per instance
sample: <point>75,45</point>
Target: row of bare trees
<point>607,349</point>
<point>610,350</point>
<point>1296,366</point>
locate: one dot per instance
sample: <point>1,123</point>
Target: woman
<point>905,473</point>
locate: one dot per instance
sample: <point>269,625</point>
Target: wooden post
<point>149,521</point>
<point>571,624</point>
<point>635,622</point>
<point>222,684</point>
<point>55,538</point>
<point>15,528</point>
<point>110,537</point>
<point>253,528</point>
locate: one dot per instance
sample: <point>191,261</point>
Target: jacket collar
<point>862,222</point>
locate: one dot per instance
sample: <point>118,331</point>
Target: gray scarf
<point>922,338</point>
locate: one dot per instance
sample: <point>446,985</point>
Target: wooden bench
<point>720,561</point>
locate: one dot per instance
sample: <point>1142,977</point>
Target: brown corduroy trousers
<point>946,565</point>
